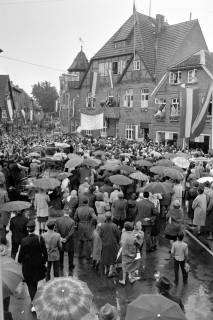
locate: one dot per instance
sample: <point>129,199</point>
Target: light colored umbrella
<point>156,154</point>
<point>164,163</point>
<point>127,169</point>
<point>125,154</point>
<point>204,179</point>
<point>74,156</point>
<point>181,162</point>
<point>34,155</point>
<point>11,275</point>
<point>112,161</point>
<point>157,170</point>
<point>144,163</point>
<point>72,163</point>
<point>138,176</point>
<point>63,298</point>
<point>15,206</point>
<point>173,174</point>
<point>110,167</point>
<point>61,176</point>
<point>62,145</point>
<point>91,162</point>
<point>120,180</point>
<point>154,307</point>
<point>47,183</point>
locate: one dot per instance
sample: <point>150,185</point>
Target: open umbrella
<point>74,162</point>
<point>74,156</point>
<point>61,176</point>
<point>15,206</point>
<point>91,162</point>
<point>11,275</point>
<point>154,306</point>
<point>34,155</point>
<point>173,174</point>
<point>157,187</point>
<point>144,163</point>
<point>181,162</point>
<point>120,180</point>
<point>47,183</point>
<point>138,176</point>
<point>125,154</point>
<point>157,170</point>
<point>156,154</point>
<point>63,298</point>
<point>127,169</point>
<point>204,179</point>
<point>164,163</point>
<point>110,167</point>
<point>99,153</point>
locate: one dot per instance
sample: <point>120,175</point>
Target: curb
<point>199,242</point>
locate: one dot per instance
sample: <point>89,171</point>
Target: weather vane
<point>81,42</point>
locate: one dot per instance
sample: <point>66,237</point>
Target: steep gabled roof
<point>169,41</point>
<point>80,63</point>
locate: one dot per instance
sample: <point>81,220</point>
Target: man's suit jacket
<point>144,209</point>
<point>18,227</point>
<point>65,226</point>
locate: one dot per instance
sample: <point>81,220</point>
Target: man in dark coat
<point>85,218</point>
<point>33,256</point>
<point>18,227</point>
<point>65,226</point>
<point>119,210</point>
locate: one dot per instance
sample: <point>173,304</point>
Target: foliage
<point>46,95</point>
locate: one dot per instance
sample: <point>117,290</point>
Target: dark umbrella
<point>157,187</point>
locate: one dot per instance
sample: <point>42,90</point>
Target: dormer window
<point>120,44</point>
<point>175,77</point>
<point>136,65</point>
<point>192,76</point>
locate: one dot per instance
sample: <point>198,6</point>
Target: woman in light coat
<point>200,205</point>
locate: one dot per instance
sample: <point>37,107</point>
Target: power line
<point>31,63</point>
<point>29,2</point>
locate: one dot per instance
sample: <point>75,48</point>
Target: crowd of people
<point>112,225</point>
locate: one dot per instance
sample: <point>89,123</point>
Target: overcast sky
<point>46,32</point>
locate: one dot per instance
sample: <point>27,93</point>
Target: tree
<point>46,95</point>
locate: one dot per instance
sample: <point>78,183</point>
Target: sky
<point>47,32</point>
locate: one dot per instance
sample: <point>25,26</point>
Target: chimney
<point>159,22</point>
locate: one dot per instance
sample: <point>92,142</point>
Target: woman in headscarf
<point>71,203</point>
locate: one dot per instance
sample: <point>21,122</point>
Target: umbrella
<point>157,187</point>
<point>99,153</point>
<point>110,167</point>
<point>34,154</point>
<point>113,161</point>
<point>144,163</point>
<point>120,180</point>
<point>91,162</point>
<point>11,275</point>
<point>47,183</point>
<point>63,298</point>
<point>156,154</point>
<point>15,206</point>
<point>139,176</point>
<point>204,179</point>
<point>157,170</point>
<point>72,163</point>
<point>154,306</point>
<point>173,174</point>
<point>125,154</point>
<point>164,163</point>
<point>62,145</point>
<point>61,176</point>
<point>181,162</point>
<point>74,156</point>
<point>127,169</point>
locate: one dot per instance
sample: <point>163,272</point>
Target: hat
<point>176,204</point>
<point>31,224</point>
<point>108,214</point>
<point>51,224</point>
<point>163,284</point>
<point>108,312</point>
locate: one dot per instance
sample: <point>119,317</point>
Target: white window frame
<point>90,101</point>
<point>136,65</point>
<point>104,67</point>
<point>144,98</point>
<point>192,76</point>
<point>120,44</point>
<point>128,98</point>
<point>176,103</point>
<point>129,131</point>
<point>103,132</point>
<point>175,77</point>
<point>88,132</point>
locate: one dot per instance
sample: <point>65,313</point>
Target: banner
<point>10,109</point>
<point>92,122</point>
<point>94,83</point>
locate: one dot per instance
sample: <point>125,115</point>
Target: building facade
<point>169,99</point>
<point>120,78</point>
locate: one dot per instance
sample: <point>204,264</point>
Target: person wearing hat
<point>33,256</point>
<point>53,244</point>
<point>164,286</point>
<point>175,219</point>
<point>108,312</point>
<point>200,207</point>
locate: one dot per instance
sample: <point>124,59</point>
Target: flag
<point>10,109</point>
<point>31,115</point>
<point>110,77</point>
<point>92,122</point>
<point>189,111</point>
<point>94,83</point>
<point>200,119</point>
<point>56,105</point>
<point>73,108</point>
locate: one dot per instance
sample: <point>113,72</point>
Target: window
<point>192,76</point>
<point>175,77</point>
<point>175,109</point>
<point>144,98</point>
<point>89,132</point>
<point>104,68</point>
<point>136,65</point>
<point>90,101</point>
<point>120,44</point>
<point>128,98</point>
<point>209,112</point>
<point>103,131</point>
<point>130,132</point>
<point>115,67</point>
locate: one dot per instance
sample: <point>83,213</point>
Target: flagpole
<point>134,35</point>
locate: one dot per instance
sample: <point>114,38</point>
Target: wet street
<point>197,296</point>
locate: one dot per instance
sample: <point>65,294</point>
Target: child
<point>97,247</point>
<point>179,252</point>
<point>139,234</point>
